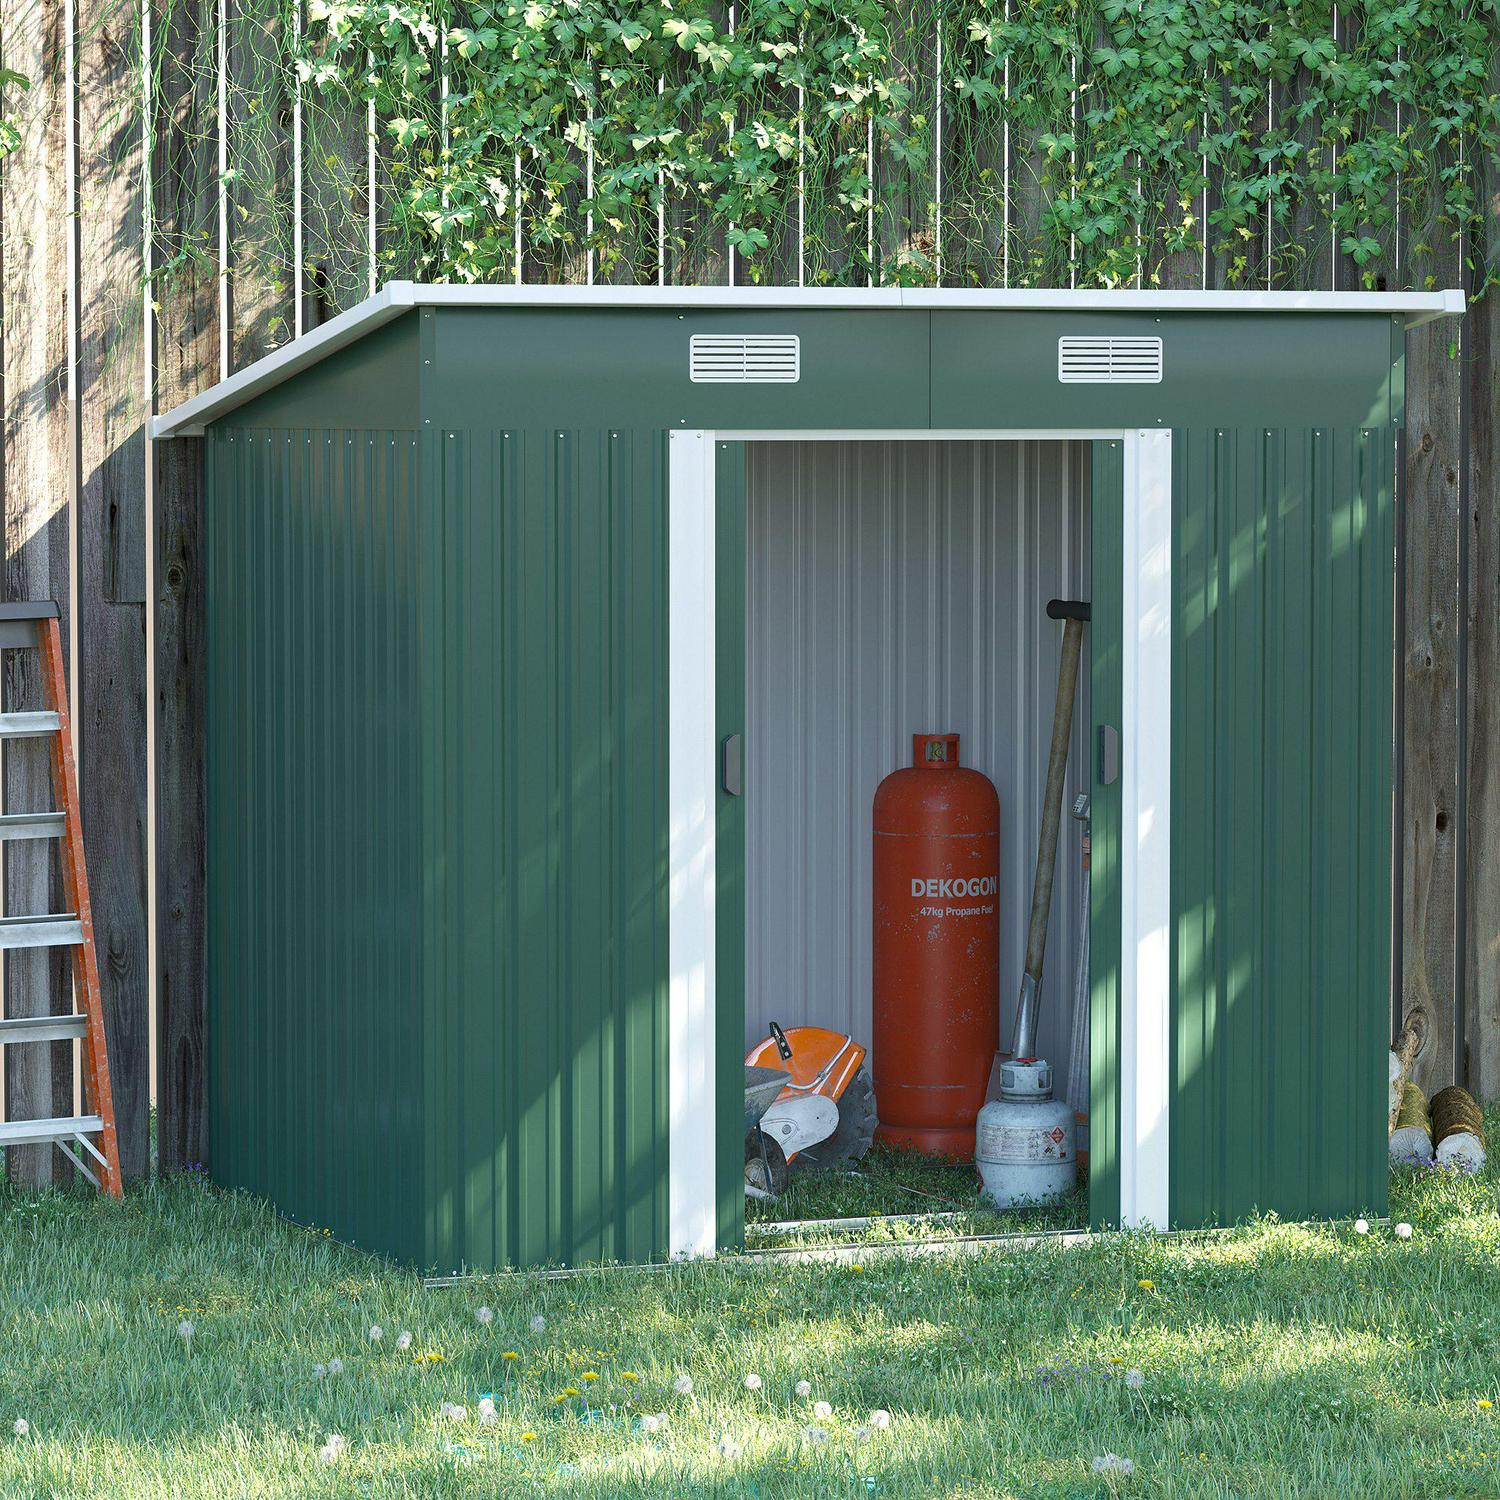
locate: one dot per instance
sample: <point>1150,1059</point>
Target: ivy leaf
<point>979,92</point>
<point>472,43</point>
<point>1116,61</point>
<point>747,239</point>
<point>407,132</point>
<point>688,34</point>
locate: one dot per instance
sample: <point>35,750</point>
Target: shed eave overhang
<point>397,297</point>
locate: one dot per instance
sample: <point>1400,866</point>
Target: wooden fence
<point>114,176</point>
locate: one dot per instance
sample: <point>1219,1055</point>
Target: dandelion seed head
<point>729,1448</point>
<point>185,1330</point>
<point>822,1409</point>
<point>539,1324</point>
<point>817,1436</point>
<point>484,1317</point>
<point>653,1421</point>
<point>403,1340</point>
<point>1403,1231</point>
<point>862,1433</point>
<point>803,1388</point>
<point>319,1371</point>
<point>335,1367</point>
<point>486,1406</point>
<point>21,1427</point>
<point>880,1419</point>
<point>376,1333</point>
<point>752,1382</point>
<point>683,1385</point>
<point>453,1412</point>
<point>1361,1226</point>
<point>1112,1463</point>
<point>1134,1379</point>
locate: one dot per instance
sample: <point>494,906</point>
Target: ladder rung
<point>26,726</point>
<point>38,1132</point>
<point>60,931</point>
<point>43,825</point>
<point>43,1029</point>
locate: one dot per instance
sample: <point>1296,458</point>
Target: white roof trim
<point>396,297</point>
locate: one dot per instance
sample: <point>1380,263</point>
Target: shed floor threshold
<point>852,1254</point>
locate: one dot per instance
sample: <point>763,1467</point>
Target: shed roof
<point>397,297</point>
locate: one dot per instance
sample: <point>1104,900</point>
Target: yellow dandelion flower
<point>1146,1284</point>
<point>528,1437</point>
<point>589,1375</point>
<point>510,1354</point>
<point>856,1268</point>
<point>1484,1404</point>
<point>629,1375</point>
<point>570,1390</point>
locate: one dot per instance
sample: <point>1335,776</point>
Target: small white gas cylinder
<point>1024,1149</point>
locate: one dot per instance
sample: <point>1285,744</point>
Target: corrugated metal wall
<point>315,1038</point>
<point>546,796</point>
<point>1281,820</point>
<point>896,588</point>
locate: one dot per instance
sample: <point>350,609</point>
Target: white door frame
<point>1145,810</point>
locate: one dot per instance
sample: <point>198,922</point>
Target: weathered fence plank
<point>38,483</point>
<point>259,109</point>
<point>181,871</point>
<point>190,344</point>
<point>1433,451</point>
<point>1482,935</point>
<point>112,548</point>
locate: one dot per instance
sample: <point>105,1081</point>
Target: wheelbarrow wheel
<point>765,1166</point>
<point>856,1128</point>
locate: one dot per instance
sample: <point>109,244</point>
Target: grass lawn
<point>1273,1361</point>
<point>901,1184</point>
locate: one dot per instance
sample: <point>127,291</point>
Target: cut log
<point>1411,1140</point>
<point>1404,1053</point>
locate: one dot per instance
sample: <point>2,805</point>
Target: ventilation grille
<point>1107,361</point>
<point>746,358</point>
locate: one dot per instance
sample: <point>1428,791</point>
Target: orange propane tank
<point>937,948</point>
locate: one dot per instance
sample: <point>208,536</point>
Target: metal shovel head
<point>761,1087</point>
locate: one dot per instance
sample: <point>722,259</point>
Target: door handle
<point>731,769</point>
<point>1109,755</point>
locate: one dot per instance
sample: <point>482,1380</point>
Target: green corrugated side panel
<point>1106,539</point>
<point>1281,809</point>
<point>729,847</point>
<point>312,751</point>
<point>547,849</point>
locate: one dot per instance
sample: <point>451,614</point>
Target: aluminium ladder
<point>37,627</point>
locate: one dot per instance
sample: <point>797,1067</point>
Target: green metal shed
<point>492,572</point>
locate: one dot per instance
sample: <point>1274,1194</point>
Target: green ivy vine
<point>1104,142</point>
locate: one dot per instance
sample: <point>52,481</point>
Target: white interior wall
<point>898,587</point>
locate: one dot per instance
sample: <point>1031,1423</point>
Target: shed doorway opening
<point>891,589</point>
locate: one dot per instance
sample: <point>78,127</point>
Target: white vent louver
<point>1109,361</point>
<point>746,358</point>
